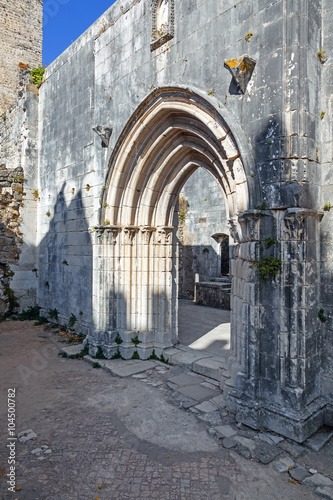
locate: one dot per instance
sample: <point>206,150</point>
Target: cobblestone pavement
<point>109,437</point>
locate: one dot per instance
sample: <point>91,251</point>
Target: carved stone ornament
<point>104,133</point>
<point>130,233</point>
<point>164,235</point>
<point>294,227</point>
<point>162,22</point>
<point>241,70</point>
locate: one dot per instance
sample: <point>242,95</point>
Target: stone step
<point>223,279</point>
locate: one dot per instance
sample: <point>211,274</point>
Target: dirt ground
<point>116,438</point>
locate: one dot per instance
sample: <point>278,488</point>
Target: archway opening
<point>204,292</point>
<point>174,133</point>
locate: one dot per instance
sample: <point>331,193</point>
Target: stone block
<point>198,392</point>
<point>225,431</point>
<point>325,492</point>
<point>318,440</point>
<point>283,464</point>
<point>318,480</point>
<point>299,473</point>
<point>208,368</point>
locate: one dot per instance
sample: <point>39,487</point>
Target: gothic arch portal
<point>172,133</point>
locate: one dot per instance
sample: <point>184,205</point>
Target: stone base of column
<point>294,424</point>
<point>106,341</point>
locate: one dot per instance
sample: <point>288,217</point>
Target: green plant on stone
<point>117,355</point>
<point>163,359</point>
<point>85,350</point>
<point>322,56</point>
<point>322,316</point>
<point>48,213</point>
<point>42,320</point>
<point>99,354</point>
<point>327,207</point>
<point>118,340</point>
<point>38,75</point>
<point>135,355</point>
<point>154,356</point>
<point>268,267</point>
<point>322,114</point>
<point>96,365</point>
<point>72,321</point>
<point>31,314</point>
<point>136,341</point>
<point>248,36</point>
<point>35,195</point>
<point>106,222</point>
<point>263,206</point>
<point>270,242</point>
<point>53,314</point>
<point>183,209</point>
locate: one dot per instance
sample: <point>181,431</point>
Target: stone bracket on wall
<point>241,69</point>
<point>104,133</point>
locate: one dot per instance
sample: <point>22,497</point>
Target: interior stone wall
<point>199,253</point>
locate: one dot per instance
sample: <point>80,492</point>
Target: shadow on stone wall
<point>65,262</point>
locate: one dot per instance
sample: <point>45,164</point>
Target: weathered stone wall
<point>101,80</point>
<point>200,254</point>
<point>325,157</point>
<point>21,40</point>
<point>18,202</point>
<point>106,78</point>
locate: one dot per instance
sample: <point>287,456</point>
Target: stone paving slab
<point>209,368</point>
<point>198,392</point>
<point>185,379</point>
<point>72,349</point>
<point>122,368</point>
<point>325,492</point>
<point>318,440</point>
<point>186,358</point>
<point>318,480</point>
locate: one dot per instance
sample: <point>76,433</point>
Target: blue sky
<point>65,21</point>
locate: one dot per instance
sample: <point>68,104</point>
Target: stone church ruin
<point>93,164</point>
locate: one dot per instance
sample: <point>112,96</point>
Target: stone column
<point>165,295</point>
<point>104,307</point>
<point>277,333</point>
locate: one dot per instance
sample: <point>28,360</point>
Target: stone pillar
<point>277,335</point>
<point>104,305</point>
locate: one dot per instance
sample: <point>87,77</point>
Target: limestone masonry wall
<point>21,40</point>
<point>246,91</point>
<point>18,202</point>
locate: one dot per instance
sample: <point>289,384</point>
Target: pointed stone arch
<point>173,132</point>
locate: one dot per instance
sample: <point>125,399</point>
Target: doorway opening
<point>204,283</point>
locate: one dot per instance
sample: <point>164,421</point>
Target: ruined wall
<point>102,78</point>
<point>206,215</point>
<point>325,156</point>
<point>21,39</point>
<point>18,202</point>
